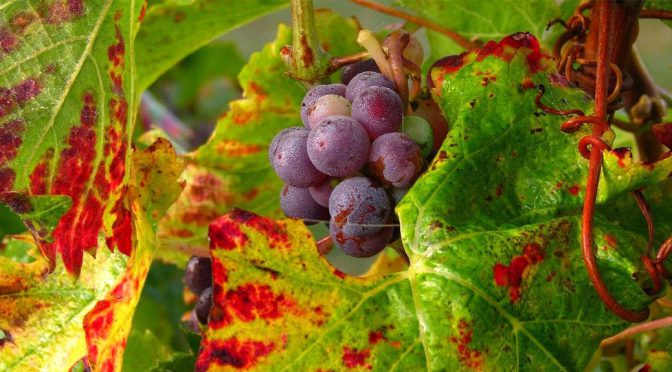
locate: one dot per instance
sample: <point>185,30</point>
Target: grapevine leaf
<point>66,111</point>
<point>487,20</point>
<point>277,302</point>
<point>522,170</point>
<point>155,187</point>
<point>232,169</point>
<point>42,314</point>
<point>173,29</point>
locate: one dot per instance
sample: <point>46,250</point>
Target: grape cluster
<point>354,158</point>
<point>198,278</point>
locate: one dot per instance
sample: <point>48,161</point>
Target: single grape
<point>365,80</point>
<point>359,206</point>
<point>321,192</point>
<point>315,93</point>
<point>326,106</point>
<point>420,131</point>
<point>430,111</point>
<point>352,70</point>
<point>203,305</point>
<point>298,203</point>
<point>290,158</point>
<point>198,274</point>
<point>357,246</point>
<point>379,110</point>
<point>338,146</point>
<point>395,160</point>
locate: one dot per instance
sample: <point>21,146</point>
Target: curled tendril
<point>568,50</point>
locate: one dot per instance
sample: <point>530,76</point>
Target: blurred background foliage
<point>192,95</point>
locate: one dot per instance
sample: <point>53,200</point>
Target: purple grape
<point>298,203</point>
<point>365,80</point>
<point>359,206</point>
<point>379,110</point>
<point>315,93</point>
<point>321,193</point>
<point>352,70</point>
<point>338,146</point>
<point>326,106</point>
<point>290,158</point>
<point>355,246</point>
<point>198,274</point>
<point>395,160</point>
<point>202,308</point>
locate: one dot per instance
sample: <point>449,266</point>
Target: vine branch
<point>456,37</point>
<point>637,329</point>
<point>656,14</point>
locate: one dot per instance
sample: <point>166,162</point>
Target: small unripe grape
<point>420,131</point>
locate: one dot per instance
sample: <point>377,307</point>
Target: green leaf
<point>232,168</point>
<point>67,107</point>
<point>173,29</point>
<point>9,222</point>
<point>487,20</point>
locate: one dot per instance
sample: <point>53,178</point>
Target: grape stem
<point>325,245</point>
<point>656,14</point>
<point>459,39</point>
<point>637,329</point>
<point>308,62</point>
<point>337,62</point>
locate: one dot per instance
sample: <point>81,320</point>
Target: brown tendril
<point>568,51</point>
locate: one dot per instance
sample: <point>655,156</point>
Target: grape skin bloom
<point>315,93</point>
<point>379,110</point>
<point>395,160</point>
<point>338,146</point>
<point>290,158</point>
<point>359,206</point>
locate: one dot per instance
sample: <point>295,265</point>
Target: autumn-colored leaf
<point>155,187</point>
<point>66,105</point>
<point>41,315</point>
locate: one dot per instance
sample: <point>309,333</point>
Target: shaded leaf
<point>232,169</point>
<point>66,104</point>
<point>173,29</point>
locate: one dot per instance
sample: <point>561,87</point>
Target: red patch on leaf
<point>574,190</point>
<point>143,11</point>
<point>505,50</point>
<point>353,358</point>
<point>78,228</point>
<point>339,273</point>
<point>232,148</point>
<point>64,11</point>
<point>122,229</point>
<point>277,237</point>
<point>247,303</point>
<point>376,336</point>
<point>623,154</point>
<point>611,241</point>
<point>467,356</point>
<point>17,95</point>
<point>10,140</point>
<point>512,275</point>
<point>232,352</point>
<point>225,233</point>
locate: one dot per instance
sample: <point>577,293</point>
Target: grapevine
<point>415,185</point>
